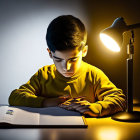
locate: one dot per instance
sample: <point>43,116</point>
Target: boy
<point>69,83</point>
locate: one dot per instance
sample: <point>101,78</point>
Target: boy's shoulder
<point>95,71</point>
<point>90,67</point>
<point>47,68</point>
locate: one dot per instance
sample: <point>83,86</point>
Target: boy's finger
<point>73,100</point>
<point>84,110</point>
<point>79,98</point>
<point>64,98</point>
<point>90,113</point>
<point>81,107</point>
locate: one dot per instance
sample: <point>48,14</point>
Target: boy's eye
<point>73,60</point>
<point>58,60</point>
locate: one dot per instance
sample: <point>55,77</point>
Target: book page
<point>15,115</point>
<point>5,114</point>
<point>59,116</point>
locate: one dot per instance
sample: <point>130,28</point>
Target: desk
<point>98,129</point>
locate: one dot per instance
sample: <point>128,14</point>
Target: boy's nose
<point>66,66</point>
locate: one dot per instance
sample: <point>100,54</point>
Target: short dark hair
<point>66,32</point>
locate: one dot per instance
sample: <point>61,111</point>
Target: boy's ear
<point>50,54</point>
<point>84,51</point>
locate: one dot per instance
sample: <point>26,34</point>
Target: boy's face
<point>68,62</point>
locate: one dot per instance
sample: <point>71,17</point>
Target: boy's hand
<point>50,102</point>
<point>78,104</point>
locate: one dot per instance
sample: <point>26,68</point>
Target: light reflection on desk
<point>108,133</point>
<point>101,133</point>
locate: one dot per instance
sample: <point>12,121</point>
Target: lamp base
<point>133,116</point>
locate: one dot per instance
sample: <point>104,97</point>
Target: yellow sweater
<point>89,81</point>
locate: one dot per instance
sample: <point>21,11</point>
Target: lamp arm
<point>133,26</point>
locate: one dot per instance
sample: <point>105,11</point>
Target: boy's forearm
<point>109,102</point>
<point>25,99</point>
<point>50,102</point>
<point>103,108</point>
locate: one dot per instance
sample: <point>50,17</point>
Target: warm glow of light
<point>109,42</point>
<point>108,134</point>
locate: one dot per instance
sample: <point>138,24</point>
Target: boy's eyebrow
<point>57,57</point>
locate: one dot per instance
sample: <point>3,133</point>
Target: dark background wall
<point>101,14</point>
<point>23,25</point>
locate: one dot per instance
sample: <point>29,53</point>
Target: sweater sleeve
<point>109,98</point>
<point>27,94</point>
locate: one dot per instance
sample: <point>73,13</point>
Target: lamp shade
<point>112,37</point>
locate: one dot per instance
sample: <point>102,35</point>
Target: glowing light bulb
<point>109,42</point>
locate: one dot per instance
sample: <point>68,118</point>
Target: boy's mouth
<point>68,73</point>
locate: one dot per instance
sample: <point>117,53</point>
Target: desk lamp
<point>112,38</point>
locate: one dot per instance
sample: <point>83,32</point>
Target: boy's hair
<point>66,32</point>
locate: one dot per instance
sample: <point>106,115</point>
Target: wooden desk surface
<point>98,129</point>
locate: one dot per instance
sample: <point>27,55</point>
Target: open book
<point>13,116</point>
